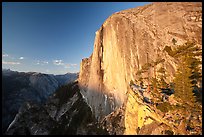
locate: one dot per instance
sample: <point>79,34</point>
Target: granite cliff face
<point>126,42</point>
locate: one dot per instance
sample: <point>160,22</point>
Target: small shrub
<point>164,107</point>
<point>131,82</point>
<point>168,132</point>
<point>174,41</point>
<point>169,50</point>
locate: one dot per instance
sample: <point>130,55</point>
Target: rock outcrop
<point>124,45</point>
<point>139,117</point>
<point>64,113</point>
<point>19,87</point>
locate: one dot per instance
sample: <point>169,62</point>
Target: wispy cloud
<point>58,62</point>
<point>73,64</point>
<point>45,62</point>
<point>21,58</point>
<point>10,63</point>
<point>38,62</point>
<point>8,56</point>
<point>5,55</point>
<point>67,66</point>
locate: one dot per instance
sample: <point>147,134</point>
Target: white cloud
<point>21,58</point>
<point>58,62</point>
<point>67,66</point>
<point>38,62</point>
<point>9,56</point>
<point>10,63</point>
<point>5,55</point>
<point>73,64</point>
<point>45,62</point>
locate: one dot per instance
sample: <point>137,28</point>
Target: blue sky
<point>52,37</point>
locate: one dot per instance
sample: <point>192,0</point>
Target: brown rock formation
<point>122,44</point>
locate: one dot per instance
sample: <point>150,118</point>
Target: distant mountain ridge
<point>20,87</point>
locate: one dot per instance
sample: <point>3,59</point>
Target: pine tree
<point>162,77</point>
<point>195,71</point>
<point>188,72</point>
<point>183,85</point>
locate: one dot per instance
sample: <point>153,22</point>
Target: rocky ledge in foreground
<point>65,112</point>
<point>167,117</point>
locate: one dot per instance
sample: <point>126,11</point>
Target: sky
<point>52,37</point>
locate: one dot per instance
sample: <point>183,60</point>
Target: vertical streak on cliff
<point>137,50</point>
<point>101,54</point>
<point>95,79</point>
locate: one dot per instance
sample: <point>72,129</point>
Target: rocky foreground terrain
<point>168,117</point>
<point>64,113</point>
<point>19,87</point>
<point>67,112</point>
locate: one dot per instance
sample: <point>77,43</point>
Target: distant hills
<point>20,87</point>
